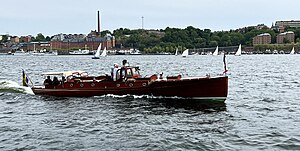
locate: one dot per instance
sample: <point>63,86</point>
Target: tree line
<point>168,39</point>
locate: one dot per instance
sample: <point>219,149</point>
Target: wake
<point>14,87</point>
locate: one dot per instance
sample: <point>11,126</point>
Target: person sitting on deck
<point>55,81</point>
<point>63,79</point>
<point>48,81</point>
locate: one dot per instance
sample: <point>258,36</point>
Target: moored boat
<point>127,80</point>
<point>80,52</point>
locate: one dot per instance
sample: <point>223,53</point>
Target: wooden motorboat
<point>128,81</point>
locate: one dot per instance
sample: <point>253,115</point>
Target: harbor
<point>263,99</point>
<point>149,75</point>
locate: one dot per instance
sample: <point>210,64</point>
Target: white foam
<point>11,85</point>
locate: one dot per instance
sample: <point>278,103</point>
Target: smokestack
<point>99,23</point>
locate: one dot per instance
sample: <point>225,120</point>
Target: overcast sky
<point>30,17</point>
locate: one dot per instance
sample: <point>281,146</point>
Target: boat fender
<point>118,85</point>
<point>71,85</point>
<point>93,84</point>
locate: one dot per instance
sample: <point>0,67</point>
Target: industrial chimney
<point>99,23</point>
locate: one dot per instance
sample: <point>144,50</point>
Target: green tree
<point>48,38</point>
<point>4,38</point>
<point>213,43</point>
<point>39,37</point>
<point>103,33</point>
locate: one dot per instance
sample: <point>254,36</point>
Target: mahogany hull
<point>194,88</point>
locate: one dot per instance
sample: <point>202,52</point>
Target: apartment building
<point>286,37</point>
<point>264,38</point>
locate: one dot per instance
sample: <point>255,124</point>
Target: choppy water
<point>262,111</point>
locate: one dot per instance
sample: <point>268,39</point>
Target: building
<point>25,38</point>
<point>286,37</point>
<point>80,41</point>
<point>15,39</point>
<point>36,46</point>
<point>258,27</point>
<point>291,23</point>
<point>281,25</point>
<point>264,38</point>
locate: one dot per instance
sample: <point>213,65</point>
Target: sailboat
<point>293,51</point>
<point>185,53</point>
<point>97,54</point>
<point>176,53</point>
<point>104,52</point>
<point>216,52</point>
<point>239,51</point>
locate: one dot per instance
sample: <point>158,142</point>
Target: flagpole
<point>25,76</point>
<point>224,61</point>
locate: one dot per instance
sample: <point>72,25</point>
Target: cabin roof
<point>62,73</point>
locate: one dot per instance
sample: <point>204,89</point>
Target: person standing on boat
<point>115,71</point>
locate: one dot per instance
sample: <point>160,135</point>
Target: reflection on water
<point>130,101</point>
<point>188,104</point>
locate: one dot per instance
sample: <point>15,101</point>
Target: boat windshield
<point>135,72</point>
<point>132,72</point>
<point>127,72</point>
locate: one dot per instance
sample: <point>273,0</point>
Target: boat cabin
<point>125,73</point>
<point>57,78</point>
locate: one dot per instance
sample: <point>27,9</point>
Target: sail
<point>216,52</point>
<point>293,51</point>
<point>97,54</point>
<point>239,51</point>
<point>185,53</point>
<point>176,53</point>
<point>104,53</point>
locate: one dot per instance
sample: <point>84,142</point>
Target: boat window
<point>135,72</point>
<point>129,72</point>
<point>120,73</point>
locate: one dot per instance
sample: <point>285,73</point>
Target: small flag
<point>225,68</point>
<point>25,79</point>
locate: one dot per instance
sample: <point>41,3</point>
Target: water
<point>262,111</point>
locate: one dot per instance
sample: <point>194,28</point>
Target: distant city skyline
<point>76,16</point>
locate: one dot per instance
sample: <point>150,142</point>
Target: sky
<point>50,17</point>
